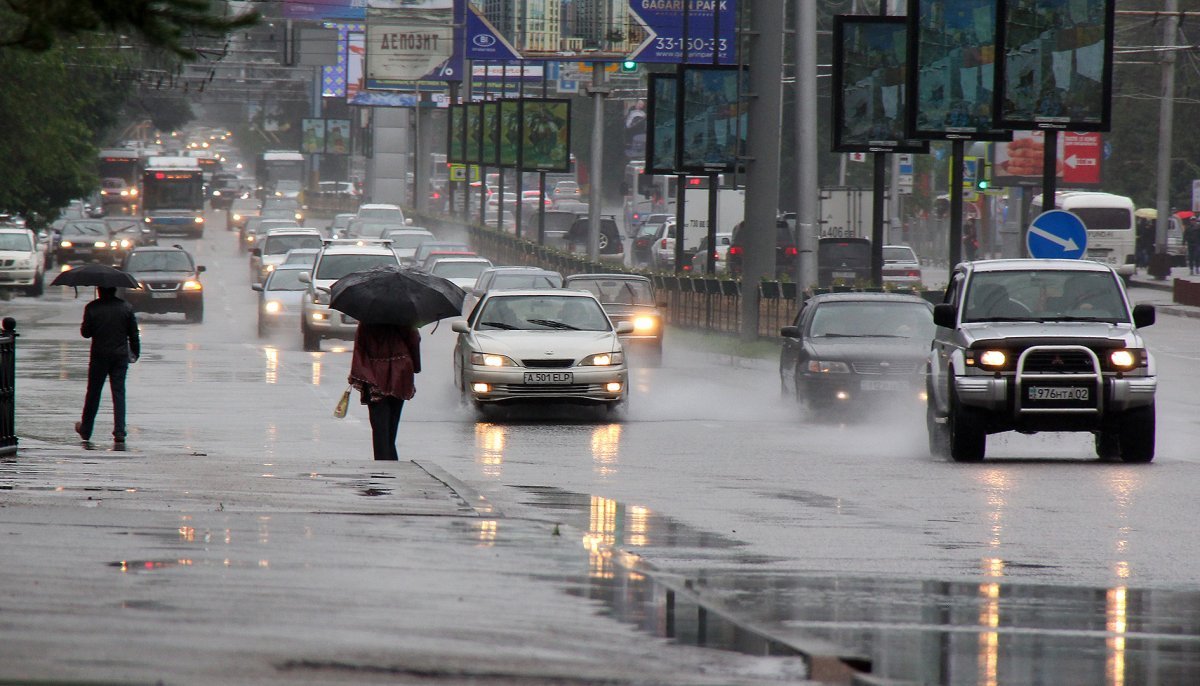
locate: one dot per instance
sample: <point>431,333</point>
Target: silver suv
<point>22,264</point>
<point>1040,345</point>
<point>337,258</point>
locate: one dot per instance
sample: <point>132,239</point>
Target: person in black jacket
<point>110,323</point>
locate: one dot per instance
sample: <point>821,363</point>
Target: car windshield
<point>15,241</point>
<point>648,230</point>
<point>898,254</point>
<point>617,291</point>
<point>459,270</point>
<point>334,267</point>
<point>286,280</point>
<point>533,280</point>
<point>407,241</point>
<point>861,319</point>
<point>1044,295</point>
<point>278,245</point>
<point>159,261</point>
<point>542,313</point>
<point>85,229</point>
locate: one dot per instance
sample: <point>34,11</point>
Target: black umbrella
<point>391,295</point>
<point>99,275</point>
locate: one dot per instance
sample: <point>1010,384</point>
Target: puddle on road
<point>936,632</point>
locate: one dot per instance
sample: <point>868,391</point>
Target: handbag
<point>339,410</point>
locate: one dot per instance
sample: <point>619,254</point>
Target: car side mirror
<point>1143,315</point>
<point>459,326</point>
<point>201,269</point>
<point>256,287</point>
<point>257,252</point>
<point>790,332</point>
<point>304,277</point>
<point>624,328</point>
<point>944,315</point>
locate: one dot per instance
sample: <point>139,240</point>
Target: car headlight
<point>216,194</point>
<point>490,360</point>
<point>24,264</point>
<point>991,359</point>
<point>273,307</point>
<point>299,216</point>
<point>132,192</point>
<point>237,217</point>
<point>1124,359</point>
<point>249,238</point>
<point>828,367</point>
<point>645,324</point>
<point>602,360</point>
<point>147,220</point>
<point>269,268</point>
<point>66,244</point>
<point>199,220</point>
<point>99,244</point>
<point>192,285</point>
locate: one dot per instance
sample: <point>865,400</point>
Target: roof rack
<point>356,241</point>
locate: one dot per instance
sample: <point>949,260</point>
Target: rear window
<point>278,245</point>
<point>334,267</point>
<point>896,254</point>
<point>515,281</point>
<point>849,253</point>
<point>460,270</point>
<point>408,241</point>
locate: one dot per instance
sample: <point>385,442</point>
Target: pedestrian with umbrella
<point>111,324</point>
<point>390,304</point>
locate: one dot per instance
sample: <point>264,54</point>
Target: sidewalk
<point>1165,287</point>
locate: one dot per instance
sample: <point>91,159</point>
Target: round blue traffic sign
<point>1056,234</point>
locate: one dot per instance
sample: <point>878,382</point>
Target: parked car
<point>558,223</point>
<point>22,263</point>
<point>643,245</point>
<point>901,267</point>
<point>170,281</point>
<point>853,354</point>
<point>279,298</point>
<point>501,278</point>
<point>336,259</point>
<point>531,199</point>
<point>501,352</point>
<point>719,253</point>
<point>628,298</point>
<point>843,262</point>
<point>1040,345</point>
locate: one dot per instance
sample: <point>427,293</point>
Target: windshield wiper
<point>500,325</point>
<point>553,324</point>
<point>1068,318</point>
<point>842,335</point>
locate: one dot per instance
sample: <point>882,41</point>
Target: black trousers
<point>113,370</point>
<point>385,423</point>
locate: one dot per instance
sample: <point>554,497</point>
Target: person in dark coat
<point>110,323</point>
<point>1144,241</point>
<point>385,359</point>
<point>970,241</point>
<point>1191,239</point>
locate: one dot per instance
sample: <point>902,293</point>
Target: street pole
<point>595,188</point>
<point>807,178</point>
<point>762,166</point>
<point>1160,262</point>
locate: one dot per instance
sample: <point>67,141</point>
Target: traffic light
<point>982,182</point>
<point>629,67</point>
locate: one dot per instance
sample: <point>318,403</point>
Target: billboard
<point>454,133</point>
<point>473,133</point>
<point>312,136</point>
<point>413,41</point>
<point>661,111</point>
<point>869,83</point>
<point>1055,64</point>
<point>1079,159</point>
<point>952,44</point>
<point>337,136</point>
<point>712,119</point>
<point>489,124</point>
<point>660,31</point>
<point>356,80</point>
<point>509,136</point>
<point>545,135</point>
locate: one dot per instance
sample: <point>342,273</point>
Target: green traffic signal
<point>981,176</point>
<point>629,67</point>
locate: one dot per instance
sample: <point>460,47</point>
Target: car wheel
<point>312,341</point>
<point>39,285</point>
<point>1136,439</point>
<point>262,327</point>
<point>1108,446</point>
<point>968,439</point>
<point>935,427</point>
<point>195,315</point>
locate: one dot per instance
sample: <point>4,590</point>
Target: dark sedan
<point>83,240</point>
<point>627,298</point>
<point>170,281</point>
<point>857,351</point>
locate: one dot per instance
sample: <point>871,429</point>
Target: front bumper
<point>850,391</point>
<point>330,323</point>
<point>161,301</point>
<point>589,385</point>
<point>18,277</point>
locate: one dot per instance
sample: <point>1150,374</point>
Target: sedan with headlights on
<point>628,298</point>
<point>857,352</point>
<point>279,298</point>
<point>540,345</point>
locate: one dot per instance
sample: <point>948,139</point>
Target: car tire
<point>38,287</point>
<point>312,341</point>
<point>195,315</point>
<point>935,426</point>
<point>967,437</point>
<point>1108,446</point>
<point>262,327</point>
<point>1136,438</point>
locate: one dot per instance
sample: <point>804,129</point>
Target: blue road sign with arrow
<point>1056,234</point>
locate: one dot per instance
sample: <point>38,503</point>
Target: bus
<point>1110,223</point>
<point>209,162</point>
<point>274,166</point>
<point>173,195</point>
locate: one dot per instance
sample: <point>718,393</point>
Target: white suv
<point>22,264</point>
<point>337,259</point>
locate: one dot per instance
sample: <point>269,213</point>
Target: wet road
<point>1040,564</point>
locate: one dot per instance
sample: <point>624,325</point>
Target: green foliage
<point>167,110</point>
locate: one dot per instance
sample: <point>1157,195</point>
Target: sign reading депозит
<point>412,40</point>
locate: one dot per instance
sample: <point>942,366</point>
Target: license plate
<point>843,275</point>
<point>162,295</point>
<point>882,385</point>
<point>1058,393</point>
<point>549,377</point>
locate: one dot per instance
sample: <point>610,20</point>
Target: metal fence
<point>8,386</point>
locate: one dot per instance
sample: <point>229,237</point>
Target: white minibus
<point>1110,225</point>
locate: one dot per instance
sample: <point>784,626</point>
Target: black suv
<point>170,281</point>
<point>611,246</point>
<point>786,249</point>
<point>843,262</point>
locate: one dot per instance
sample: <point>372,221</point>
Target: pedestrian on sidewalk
<point>110,323</point>
<point>970,241</point>
<point>1144,242</point>
<point>1191,238</point>
<point>385,359</point>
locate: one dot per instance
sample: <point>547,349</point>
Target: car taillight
<point>915,273</point>
<point>663,244</point>
<point>735,250</point>
<point>791,251</point>
<point>642,242</point>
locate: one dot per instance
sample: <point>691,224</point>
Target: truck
<point>173,196</point>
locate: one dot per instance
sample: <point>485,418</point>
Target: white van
<point>1111,227</point>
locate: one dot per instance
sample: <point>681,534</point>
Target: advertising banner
<point>869,83</point>
<point>323,10</point>
<point>490,126</point>
<point>412,41</point>
<point>545,135</point>
<point>1055,66</point>
<point>1079,157</point>
<point>312,136</point>
<point>661,119</point>
<point>660,31</point>
<point>337,136</point>
<point>456,128</point>
<point>952,44</point>
<point>356,82</point>
<point>713,120</point>
<point>510,132</point>
<point>473,133</point>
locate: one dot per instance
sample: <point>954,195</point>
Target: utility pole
<point>595,188</point>
<point>808,186</point>
<point>1160,262</point>
<point>762,166</point>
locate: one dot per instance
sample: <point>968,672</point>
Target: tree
<point>36,25</point>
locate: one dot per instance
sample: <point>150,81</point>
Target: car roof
<point>292,267</point>
<point>541,292</point>
<point>294,232</point>
<point>354,248</point>
<point>519,268</point>
<point>1026,264</point>
<point>459,258</point>
<point>409,231</point>
<point>379,206</point>
<point>159,248</point>
<point>608,277</point>
<point>867,296</point>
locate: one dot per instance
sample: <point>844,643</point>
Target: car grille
<point>550,389</point>
<point>161,285</point>
<point>884,367</point>
<point>548,364</point>
<point>1060,362</point>
<point>7,263</point>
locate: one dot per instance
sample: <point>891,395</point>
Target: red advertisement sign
<point>1019,163</point>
